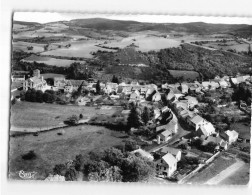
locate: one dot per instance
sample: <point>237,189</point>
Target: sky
<point>45,17</point>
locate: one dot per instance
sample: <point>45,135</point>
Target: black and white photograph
<point>160,99</point>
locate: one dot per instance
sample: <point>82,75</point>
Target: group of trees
<point>79,71</point>
<point>137,117</point>
<point>242,92</point>
<point>33,95</point>
<point>109,165</point>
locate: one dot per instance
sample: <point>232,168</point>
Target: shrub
<point>29,156</point>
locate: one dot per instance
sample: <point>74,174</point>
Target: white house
<point>164,136</point>
<point>167,165</point>
<point>206,129</point>
<point>232,136</point>
<point>134,96</point>
<point>196,121</point>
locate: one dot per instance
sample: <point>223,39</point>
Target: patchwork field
<point>49,60</point>
<point>52,149</point>
<point>26,115</point>
<point>78,49</point>
<point>23,47</point>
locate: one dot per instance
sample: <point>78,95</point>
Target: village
<point>169,118</point>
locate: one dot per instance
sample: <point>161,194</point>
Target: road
<point>225,173</point>
<point>181,132</point>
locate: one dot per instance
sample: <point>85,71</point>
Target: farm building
<point>232,136</point>
<point>196,121</point>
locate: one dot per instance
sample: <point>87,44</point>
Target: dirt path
<point>225,173</point>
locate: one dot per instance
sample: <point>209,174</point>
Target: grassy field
<point>52,149</point>
<point>49,60</point>
<point>185,74</point>
<point>25,115</point>
<point>212,170</point>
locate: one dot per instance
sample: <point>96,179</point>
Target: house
<point>134,96</point>
<point>143,153</point>
<point>232,136</point>
<point>134,83</point>
<point>205,85</point>
<point>206,129</point>
<point>167,165</point>
<point>157,113</point>
<point>170,95</point>
<point>164,86</point>
<point>174,151</point>
<point>234,81</point>
<point>127,90</point>
<point>143,90</point>
<point>68,88</point>
<point>59,82</point>
<point>113,86</point>
<point>164,136</point>
<point>184,88</point>
<point>150,92</point>
<point>223,84</point>
<point>156,97</point>
<point>196,121</point>
<point>192,101</point>
<point>107,89</point>
<point>36,82</point>
<point>213,85</point>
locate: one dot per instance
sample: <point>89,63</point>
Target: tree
<point>146,115</point>
<point>115,79</point>
<point>28,95</point>
<point>130,145</point>
<point>73,120</point>
<point>98,87</point>
<point>71,174</point>
<point>60,169</point>
<point>134,119</point>
<point>81,116</point>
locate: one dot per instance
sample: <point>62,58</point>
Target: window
<point>164,168</point>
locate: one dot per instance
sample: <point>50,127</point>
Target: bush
<point>29,156</point>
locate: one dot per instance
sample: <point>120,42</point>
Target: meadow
<point>29,116</point>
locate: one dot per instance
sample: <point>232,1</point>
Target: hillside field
<point>49,60</point>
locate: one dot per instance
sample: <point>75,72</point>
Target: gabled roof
<point>197,119</point>
<point>166,133</point>
<point>207,128</point>
<point>173,151</point>
<point>234,80</point>
<point>169,159</point>
<point>232,133</point>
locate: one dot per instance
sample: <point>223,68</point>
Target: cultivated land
<point>28,116</point>
<point>53,149</point>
